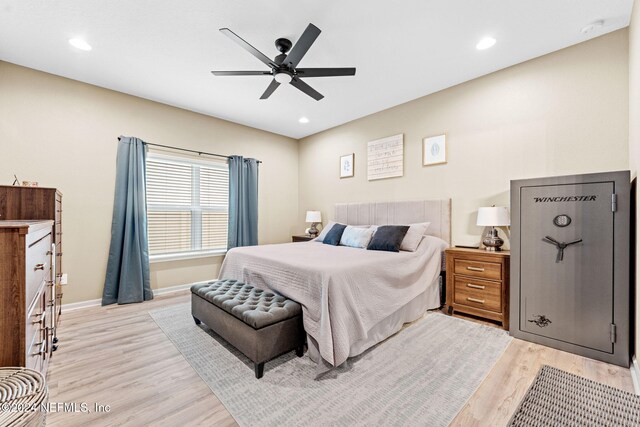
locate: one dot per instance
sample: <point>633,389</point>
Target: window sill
<point>186,255</point>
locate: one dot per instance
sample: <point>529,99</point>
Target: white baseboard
<point>635,374</point>
<point>170,289</point>
<point>81,304</point>
<point>97,302</point>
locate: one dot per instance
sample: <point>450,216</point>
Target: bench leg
<point>259,368</point>
<point>195,319</point>
<point>300,350</point>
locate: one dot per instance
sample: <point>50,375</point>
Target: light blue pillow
<point>356,237</point>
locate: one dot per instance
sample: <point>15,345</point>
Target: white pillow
<point>356,237</point>
<point>414,236</point>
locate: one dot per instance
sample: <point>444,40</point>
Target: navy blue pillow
<point>388,238</point>
<point>334,235</point>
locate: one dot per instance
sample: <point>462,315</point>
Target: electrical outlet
<point>63,279</point>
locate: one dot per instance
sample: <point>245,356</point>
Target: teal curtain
<point>127,278</point>
<point>243,202</point>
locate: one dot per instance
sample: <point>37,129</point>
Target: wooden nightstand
<point>302,238</point>
<point>478,283</point>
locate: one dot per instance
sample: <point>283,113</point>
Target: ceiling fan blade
<point>252,50</point>
<point>325,72</point>
<point>302,45</point>
<point>307,89</point>
<point>270,89</point>
<point>241,73</point>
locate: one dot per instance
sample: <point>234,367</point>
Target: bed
<point>352,298</point>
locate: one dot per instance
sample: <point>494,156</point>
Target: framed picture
<point>346,165</point>
<point>385,157</point>
<point>434,150</point>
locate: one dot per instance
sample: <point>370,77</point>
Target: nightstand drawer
<point>484,269</point>
<point>478,293</point>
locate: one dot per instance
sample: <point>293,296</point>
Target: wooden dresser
<point>478,283</point>
<point>27,303</point>
<point>38,203</point>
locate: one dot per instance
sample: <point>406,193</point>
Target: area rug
<point>559,398</point>
<point>422,376</point>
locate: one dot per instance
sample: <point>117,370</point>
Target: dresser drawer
<point>36,350</point>
<point>36,317</point>
<point>478,293</point>
<point>484,269</point>
<point>36,331</point>
<point>37,264</point>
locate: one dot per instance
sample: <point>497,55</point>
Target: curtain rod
<point>190,151</point>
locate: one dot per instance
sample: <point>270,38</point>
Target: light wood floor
<point>117,356</point>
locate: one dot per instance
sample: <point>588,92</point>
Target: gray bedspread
<point>343,291</point>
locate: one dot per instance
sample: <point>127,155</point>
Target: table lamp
<point>493,217</point>
<point>314,217</point>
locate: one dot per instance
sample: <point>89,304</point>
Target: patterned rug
<point>421,376</point>
<point>558,398</point>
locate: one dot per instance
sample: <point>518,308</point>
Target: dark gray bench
<point>260,324</point>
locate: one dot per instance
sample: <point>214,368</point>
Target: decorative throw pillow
<point>414,236</point>
<point>388,238</point>
<point>324,231</point>
<point>356,237</point>
<point>334,235</point>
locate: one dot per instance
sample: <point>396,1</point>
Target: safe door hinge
<point>613,333</point>
<point>614,202</point>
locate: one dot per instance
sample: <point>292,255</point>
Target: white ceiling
<point>163,50</point>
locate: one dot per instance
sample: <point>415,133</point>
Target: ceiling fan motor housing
<point>283,45</point>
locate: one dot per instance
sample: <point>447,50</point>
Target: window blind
<point>187,205</point>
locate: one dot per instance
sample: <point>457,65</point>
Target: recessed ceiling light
<point>595,25</point>
<point>303,120</point>
<point>80,44</point>
<point>485,43</point>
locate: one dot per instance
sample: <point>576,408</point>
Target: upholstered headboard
<point>437,212</point>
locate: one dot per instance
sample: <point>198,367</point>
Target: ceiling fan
<point>284,66</point>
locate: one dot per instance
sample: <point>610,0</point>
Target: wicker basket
<point>23,395</point>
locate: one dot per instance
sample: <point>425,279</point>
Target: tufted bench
<point>260,324</point>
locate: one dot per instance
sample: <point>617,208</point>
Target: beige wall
<point>634,136</point>
<point>63,134</point>
<point>563,113</point>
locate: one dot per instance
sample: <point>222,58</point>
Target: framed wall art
<point>385,157</point>
<point>346,165</point>
<point>434,150</point>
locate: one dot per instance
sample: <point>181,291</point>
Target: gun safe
<point>570,249</point>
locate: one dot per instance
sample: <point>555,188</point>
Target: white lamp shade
<point>494,216</point>
<point>313,216</point>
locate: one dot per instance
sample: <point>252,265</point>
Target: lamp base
<point>313,231</point>
<point>492,242</point>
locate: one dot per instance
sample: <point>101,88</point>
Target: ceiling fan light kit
<point>283,77</point>
<point>284,66</point>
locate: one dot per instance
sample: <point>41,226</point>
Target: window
<point>187,207</point>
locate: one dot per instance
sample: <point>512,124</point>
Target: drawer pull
<point>41,315</point>
<point>59,254</point>
<point>39,267</point>
<point>479,301</point>
<point>471,285</point>
<point>475,268</point>
<point>41,351</point>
